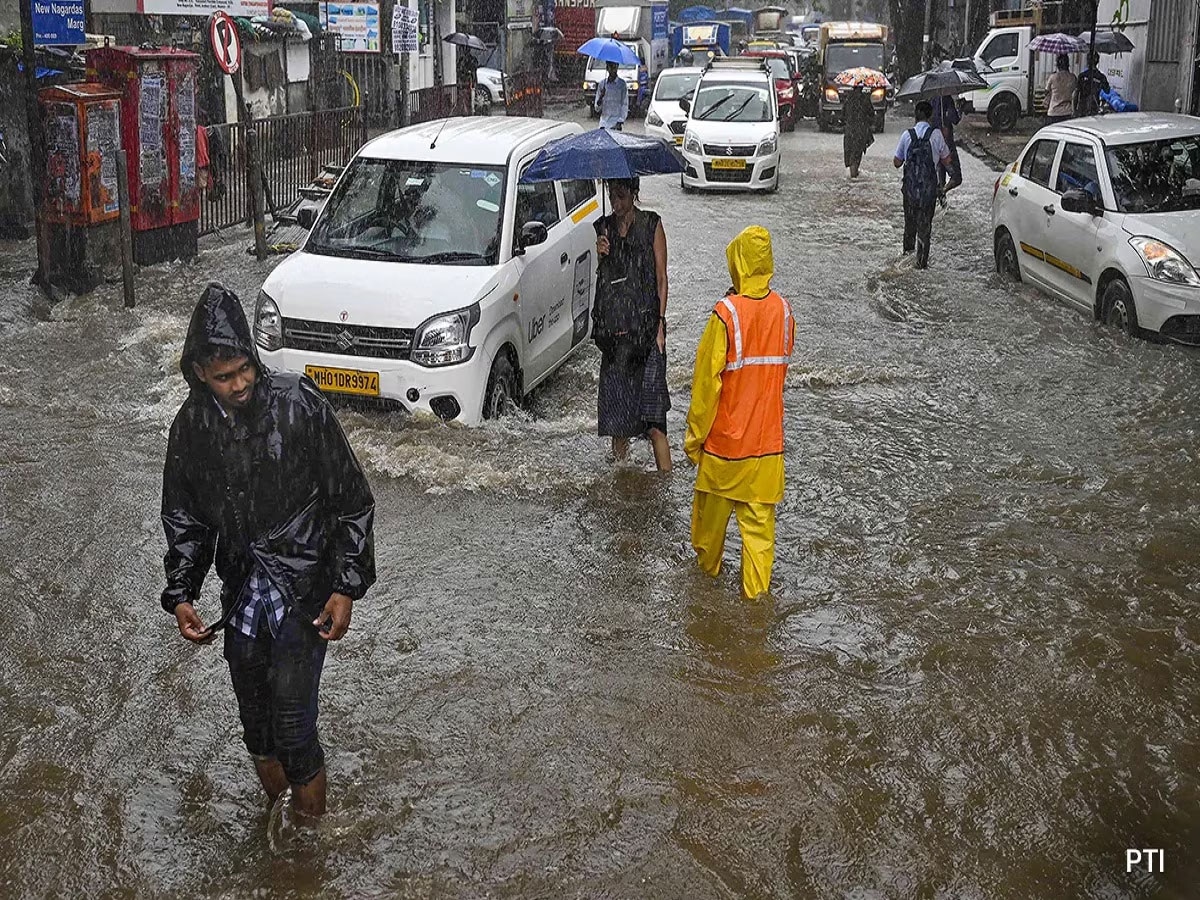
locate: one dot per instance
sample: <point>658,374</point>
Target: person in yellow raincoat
<point>735,422</point>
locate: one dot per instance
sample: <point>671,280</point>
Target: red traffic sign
<point>226,44</point>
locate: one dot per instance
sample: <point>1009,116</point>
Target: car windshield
<point>673,87</point>
<point>418,212</point>
<point>778,67</point>
<point>840,57</point>
<point>732,102</point>
<point>1156,176</point>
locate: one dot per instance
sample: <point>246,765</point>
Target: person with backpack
<point>735,421</point>
<point>629,324</point>
<point>919,152</point>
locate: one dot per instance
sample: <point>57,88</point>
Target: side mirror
<point>306,217</point>
<point>1077,201</point>
<point>532,234</point>
<point>685,104</point>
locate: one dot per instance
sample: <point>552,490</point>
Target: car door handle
<point>1048,209</point>
<point>564,258</point>
<point>1012,192</point>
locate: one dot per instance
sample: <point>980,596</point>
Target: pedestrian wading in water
<point>260,476</point>
<point>920,150</point>
<point>630,325</point>
<point>735,422</point>
<point>859,133</point>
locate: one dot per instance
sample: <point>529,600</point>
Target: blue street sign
<point>57,22</point>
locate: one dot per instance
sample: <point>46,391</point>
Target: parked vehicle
<point>644,28</point>
<point>848,45</point>
<point>731,140</point>
<point>784,77</point>
<point>432,279</point>
<point>1104,213</point>
<point>665,118</point>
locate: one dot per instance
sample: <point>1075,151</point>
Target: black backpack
<point>920,174</point>
<point>625,316</point>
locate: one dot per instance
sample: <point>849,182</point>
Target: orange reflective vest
<point>749,420</point>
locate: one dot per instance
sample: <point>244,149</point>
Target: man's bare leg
<point>662,450</point>
<point>620,448</point>
<point>309,799</point>
<point>270,773</point>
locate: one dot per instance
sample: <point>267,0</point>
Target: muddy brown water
<point>976,678</point>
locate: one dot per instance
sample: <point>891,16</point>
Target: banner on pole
<point>404,29</point>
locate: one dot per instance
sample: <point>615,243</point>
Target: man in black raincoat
<point>260,474</point>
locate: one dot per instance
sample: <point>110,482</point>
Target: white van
<point>432,278</point>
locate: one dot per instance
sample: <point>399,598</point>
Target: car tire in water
<point>1003,113</point>
<point>1008,264</point>
<point>483,101</point>
<point>686,189</point>
<point>501,397</point>
<point>1118,306</point>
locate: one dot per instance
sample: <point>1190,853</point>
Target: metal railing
<point>292,150</point>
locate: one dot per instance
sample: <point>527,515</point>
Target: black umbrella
<point>946,78</point>
<point>1108,41</point>
<point>462,39</point>
<point>547,35</point>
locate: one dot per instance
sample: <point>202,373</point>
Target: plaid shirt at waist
<point>260,599</point>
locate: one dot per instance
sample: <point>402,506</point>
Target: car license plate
<point>729,164</point>
<point>344,381</point>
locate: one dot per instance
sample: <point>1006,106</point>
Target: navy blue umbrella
<point>601,153</point>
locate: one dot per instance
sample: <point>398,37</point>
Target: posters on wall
<point>357,23</point>
<point>151,160</point>
<point>404,29</point>
<point>246,8</point>
<point>62,154</point>
<point>185,115</point>
<point>103,140</point>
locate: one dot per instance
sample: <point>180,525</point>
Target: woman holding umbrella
<point>859,133</point>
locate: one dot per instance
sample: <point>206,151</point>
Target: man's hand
<point>337,613</point>
<point>602,246</point>
<point>190,625</point>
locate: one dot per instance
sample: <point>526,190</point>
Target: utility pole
<point>37,144</point>
<point>926,46</point>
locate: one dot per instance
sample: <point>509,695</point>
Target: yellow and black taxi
<point>1103,212</point>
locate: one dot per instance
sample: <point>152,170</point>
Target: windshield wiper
<point>368,252</point>
<point>723,100</point>
<point>446,256</point>
<point>738,110</point>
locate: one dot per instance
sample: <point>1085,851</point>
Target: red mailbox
<point>83,132</point>
<point>158,132</point>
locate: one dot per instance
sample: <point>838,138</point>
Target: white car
<point>731,141</point>
<point>432,279</point>
<point>489,86</point>
<point>665,119</point>
<point>1104,213</point>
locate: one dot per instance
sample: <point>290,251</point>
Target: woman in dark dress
<point>633,398</point>
<point>860,126</point>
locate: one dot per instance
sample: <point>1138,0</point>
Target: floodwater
<point>976,678</point>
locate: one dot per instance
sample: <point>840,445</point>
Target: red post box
<point>82,125</point>
<point>158,132</point>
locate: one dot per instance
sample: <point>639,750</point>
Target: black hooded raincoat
<point>280,488</point>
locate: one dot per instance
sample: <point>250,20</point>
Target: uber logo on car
<point>536,327</point>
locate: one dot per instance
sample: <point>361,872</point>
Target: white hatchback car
<point>731,141</point>
<point>432,278</point>
<point>1104,213</point>
<point>665,118</point>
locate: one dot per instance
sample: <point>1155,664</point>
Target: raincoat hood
<point>751,262</point>
<point>217,319</point>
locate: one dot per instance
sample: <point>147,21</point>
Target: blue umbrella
<point>601,153</point>
<point>609,50</point>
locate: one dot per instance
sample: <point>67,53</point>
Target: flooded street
<point>976,677</point>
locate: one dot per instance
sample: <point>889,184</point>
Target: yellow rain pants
<point>756,521</point>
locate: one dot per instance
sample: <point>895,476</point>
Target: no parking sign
<point>226,44</point>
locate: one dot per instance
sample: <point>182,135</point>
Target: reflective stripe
<point>787,328</point>
<point>737,334</point>
<point>738,360</point>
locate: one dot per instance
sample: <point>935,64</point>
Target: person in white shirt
<point>1060,91</point>
<point>612,100</point>
<point>921,190</point>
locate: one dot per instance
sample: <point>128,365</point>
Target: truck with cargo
<point>849,45</point>
<point>643,27</point>
<point>701,38</point>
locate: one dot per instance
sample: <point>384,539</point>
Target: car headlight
<point>769,146</point>
<point>589,85</point>
<point>1164,263</point>
<point>691,144</point>
<point>268,324</point>
<point>445,340</point>
<point>878,95</point>
<point>493,80</point>
<point>653,119</point>
<point>831,95</point>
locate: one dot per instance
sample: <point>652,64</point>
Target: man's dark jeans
<point>918,226</point>
<point>276,680</point>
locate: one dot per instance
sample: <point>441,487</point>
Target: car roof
<point>1129,128</point>
<point>682,70</point>
<point>733,75</point>
<point>484,140</point>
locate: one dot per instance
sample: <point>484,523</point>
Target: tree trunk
<point>908,20</point>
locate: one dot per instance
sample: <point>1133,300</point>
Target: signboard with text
<point>245,8</point>
<point>358,24</point>
<point>57,22</point>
